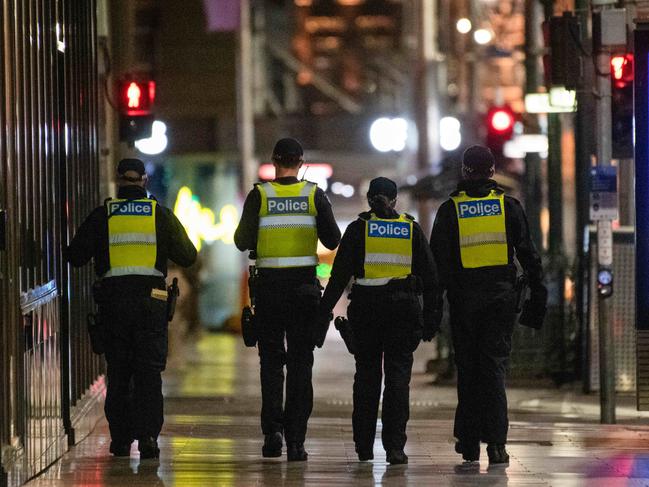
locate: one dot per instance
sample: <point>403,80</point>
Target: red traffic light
<point>136,97</point>
<point>501,120</point>
<point>622,69</point>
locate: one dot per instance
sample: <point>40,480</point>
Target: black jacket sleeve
<point>440,243</point>
<point>89,238</point>
<point>245,236</point>
<point>526,252</point>
<point>181,250</point>
<point>346,264</point>
<point>423,266</point>
<point>328,231</point>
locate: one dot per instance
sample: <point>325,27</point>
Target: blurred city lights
<point>482,36</point>
<point>317,173</point>
<point>158,141</point>
<point>560,97</point>
<point>389,134</point>
<point>450,136</point>
<point>200,222</point>
<point>345,190</point>
<point>464,26</point>
<point>411,180</point>
<point>502,120</point>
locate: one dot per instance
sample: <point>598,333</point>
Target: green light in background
<point>323,271</point>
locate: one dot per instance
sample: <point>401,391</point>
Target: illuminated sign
<point>200,222</point>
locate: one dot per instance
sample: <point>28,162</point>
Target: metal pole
<point>605,237</point>
<point>245,99</point>
<point>426,110</point>
<point>532,178</point>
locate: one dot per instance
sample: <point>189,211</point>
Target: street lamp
<point>464,26</point>
<point>482,36</point>
<point>389,134</point>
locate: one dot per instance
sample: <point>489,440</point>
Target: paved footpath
<point>212,436</point>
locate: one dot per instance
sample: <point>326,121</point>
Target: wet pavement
<point>212,435</point>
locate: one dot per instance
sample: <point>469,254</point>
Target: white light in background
<point>521,145</point>
<point>482,36</point>
<point>342,189</point>
<point>463,26</point>
<point>389,134</point>
<point>450,136</point>
<point>411,180</point>
<point>157,142</point>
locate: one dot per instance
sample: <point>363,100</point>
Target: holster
<point>173,292</point>
<point>249,327</point>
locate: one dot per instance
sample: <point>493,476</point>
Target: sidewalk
<point>212,436</point>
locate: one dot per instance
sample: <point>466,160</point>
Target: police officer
<point>130,239</point>
<point>388,256</point>
<point>475,237</point>
<point>281,223</point>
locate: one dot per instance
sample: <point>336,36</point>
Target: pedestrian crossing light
<point>500,127</point>
<point>136,97</point>
<point>622,106</point>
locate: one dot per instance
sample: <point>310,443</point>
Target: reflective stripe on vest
<point>388,250</point>
<point>132,246</point>
<point>482,230</point>
<point>287,235</point>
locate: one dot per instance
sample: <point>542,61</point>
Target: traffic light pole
<point>604,234</point>
<point>245,107</point>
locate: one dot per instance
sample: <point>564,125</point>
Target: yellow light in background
<point>200,222</point>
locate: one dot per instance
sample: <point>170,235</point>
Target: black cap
<point>287,148</point>
<point>383,186</point>
<point>478,159</point>
<point>131,165</point>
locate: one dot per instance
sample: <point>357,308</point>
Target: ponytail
<point>381,204</point>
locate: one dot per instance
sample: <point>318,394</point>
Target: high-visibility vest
<point>132,245</point>
<point>482,230</point>
<point>287,235</point>
<point>388,250</point>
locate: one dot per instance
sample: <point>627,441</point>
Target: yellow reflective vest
<point>388,250</point>
<point>132,245</point>
<point>287,235</point>
<point>482,230</point>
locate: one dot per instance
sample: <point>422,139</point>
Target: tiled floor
<point>212,436</point>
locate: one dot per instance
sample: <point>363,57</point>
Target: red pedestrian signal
<point>622,70</point>
<point>135,103</point>
<point>500,127</point>
<point>136,97</point>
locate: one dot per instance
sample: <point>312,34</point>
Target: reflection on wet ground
<point>212,436</point>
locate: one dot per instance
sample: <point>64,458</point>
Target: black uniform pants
<point>286,316</point>
<point>482,334</point>
<point>386,333</point>
<point>136,354</point>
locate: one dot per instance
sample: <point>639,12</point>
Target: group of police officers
<point>398,283</point>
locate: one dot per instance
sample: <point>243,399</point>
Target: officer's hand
<point>320,328</point>
<point>432,321</point>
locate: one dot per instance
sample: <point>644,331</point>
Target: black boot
<point>295,452</point>
<point>470,451</point>
<point>365,454</point>
<point>396,457</point>
<point>148,448</point>
<point>498,456</point>
<point>273,445</point>
<point>120,449</point>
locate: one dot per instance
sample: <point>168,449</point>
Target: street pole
<point>532,178</point>
<point>425,98</point>
<point>245,108</point>
<point>604,228</point>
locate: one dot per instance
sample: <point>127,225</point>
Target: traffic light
<point>500,127</point>
<point>136,99</point>
<point>622,105</point>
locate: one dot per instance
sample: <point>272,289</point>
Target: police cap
<point>131,165</point>
<point>383,186</point>
<point>287,149</point>
<point>478,160</point>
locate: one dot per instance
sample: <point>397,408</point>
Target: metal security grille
<point>49,180</point>
<point>623,313</point>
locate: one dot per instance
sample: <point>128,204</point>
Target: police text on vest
<point>382,229</point>
<point>291,204</point>
<point>471,209</point>
<point>132,208</point>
